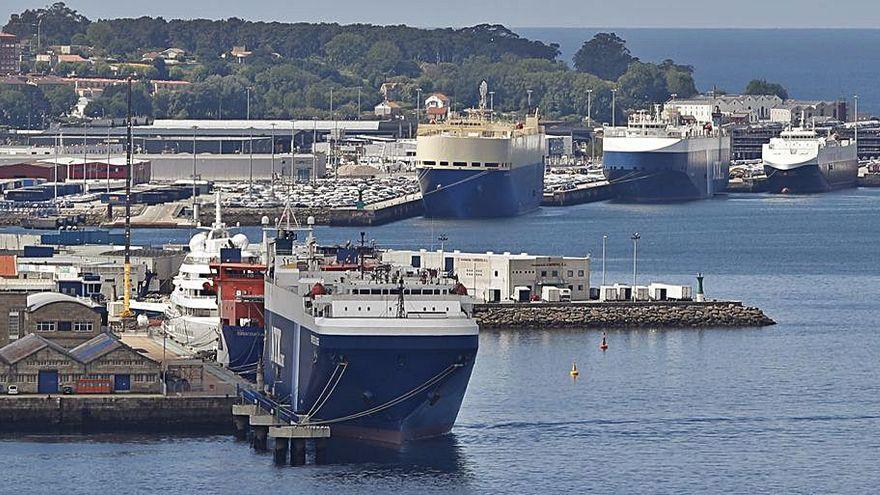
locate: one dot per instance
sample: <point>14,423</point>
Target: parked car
<point>67,390</point>
<point>12,390</point>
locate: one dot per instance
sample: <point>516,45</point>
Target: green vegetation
<point>28,107</point>
<point>762,87</point>
<point>293,68</point>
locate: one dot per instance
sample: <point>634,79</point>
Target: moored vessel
<point>800,161</point>
<point>654,159</point>
<point>382,353</point>
<point>477,167</point>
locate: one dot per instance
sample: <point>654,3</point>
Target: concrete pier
<point>286,437</point>
<point>587,193</point>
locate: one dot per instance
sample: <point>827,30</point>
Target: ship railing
<point>272,407</point>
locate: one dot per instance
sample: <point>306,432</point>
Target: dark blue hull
<point>366,373</point>
<point>810,179</point>
<point>666,176</point>
<point>245,346</point>
<point>481,193</point>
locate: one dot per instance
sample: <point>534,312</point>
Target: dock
<point>586,193</point>
<point>378,213</point>
<point>259,418</point>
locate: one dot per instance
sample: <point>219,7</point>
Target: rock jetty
<point>656,314</point>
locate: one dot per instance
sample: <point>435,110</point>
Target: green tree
<point>345,49</point>
<point>23,107</point>
<point>762,87</point>
<point>61,99</point>
<point>642,86</point>
<point>113,102</point>
<point>605,56</point>
<point>57,23</point>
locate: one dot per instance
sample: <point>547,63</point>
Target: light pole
<point>604,242</point>
<point>418,104</point>
<point>614,107</point>
<point>195,213</point>
<point>359,103</point>
<point>108,159</point>
<point>251,162</point>
<point>529,93</point>
<point>248,115</point>
<point>491,105</point>
<point>635,238</point>
<point>272,184</point>
<point>590,125</point>
<point>856,126</point>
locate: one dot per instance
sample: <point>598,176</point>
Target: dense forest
<point>292,68</point>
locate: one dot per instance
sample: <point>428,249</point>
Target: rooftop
<point>96,347</point>
<point>24,347</point>
<point>37,301</point>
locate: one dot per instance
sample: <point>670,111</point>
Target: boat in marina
<point>654,159</point>
<point>193,318</point>
<point>477,167</point>
<point>800,161</point>
<point>378,352</point>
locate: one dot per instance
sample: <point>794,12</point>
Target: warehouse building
<point>65,320</point>
<point>102,364</point>
<point>492,277</point>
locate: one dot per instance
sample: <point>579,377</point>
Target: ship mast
<point>126,296</point>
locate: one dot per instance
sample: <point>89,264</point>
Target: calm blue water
<point>811,63</point>
<point>793,408</point>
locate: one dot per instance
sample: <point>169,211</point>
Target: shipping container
<point>94,386</point>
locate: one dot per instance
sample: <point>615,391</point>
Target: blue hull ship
<point>477,168</point>
<point>652,160</point>
<point>383,356</point>
<point>244,345</point>
<point>450,193</point>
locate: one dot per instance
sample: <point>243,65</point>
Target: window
<point>46,326</point>
<point>555,273</point>
<point>13,323</point>
<point>571,273</point>
<point>580,287</point>
<point>83,326</point>
<point>416,262</point>
<point>543,273</point>
<point>491,164</point>
<point>429,162</point>
<point>496,273</point>
<point>580,273</point>
<point>460,164</point>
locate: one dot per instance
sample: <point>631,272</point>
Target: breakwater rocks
<point>657,314</point>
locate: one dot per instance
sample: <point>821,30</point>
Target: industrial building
<point>65,320</point>
<point>77,168</point>
<point>102,364</point>
<point>492,277</point>
<point>751,108</point>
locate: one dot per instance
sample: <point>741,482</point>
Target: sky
<point>512,13</point>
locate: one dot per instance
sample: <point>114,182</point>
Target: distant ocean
<point>810,63</point>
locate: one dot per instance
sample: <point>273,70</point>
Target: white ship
<point>800,161</point>
<point>193,313</point>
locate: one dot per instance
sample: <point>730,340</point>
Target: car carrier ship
<point>476,167</point>
<point>800,161</point>
<point>653,159</point>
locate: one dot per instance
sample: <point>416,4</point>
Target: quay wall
<point>58,413</point>
<point>653,314</point>
<point>870,180</point>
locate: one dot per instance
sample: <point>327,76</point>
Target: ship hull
<point>377,369</point>
<point>463,193</point>
<point>685,170</point>
<point>242,347</point>
<point>809,179</point>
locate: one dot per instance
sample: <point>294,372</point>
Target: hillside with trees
<point>292,68</point>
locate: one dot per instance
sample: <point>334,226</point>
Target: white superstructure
<point>193,318</point>
<point>800,147</point>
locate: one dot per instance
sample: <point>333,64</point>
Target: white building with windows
<point>701,107</point>
<point>493,277</point>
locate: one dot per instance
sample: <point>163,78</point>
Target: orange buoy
<point>604,344</point>
<point>574,370</point>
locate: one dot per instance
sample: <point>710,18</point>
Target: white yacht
<point>193,316</point>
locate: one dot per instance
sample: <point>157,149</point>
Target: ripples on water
<point>789,408</point>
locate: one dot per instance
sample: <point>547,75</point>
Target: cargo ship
<point>381,353</point>
<point>654,159</point>
<point>239,286</point>
<point>476,167</point>
<point>800,161</point>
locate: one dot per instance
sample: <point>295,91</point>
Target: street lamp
<point>195,213</point>
<point>590,107</point>
<point>249,88</point>
<point>251,162</point>
<point>529,93</point>
<point>491,105</point>
<point>614,107</point>
<point>635,238</point>
<point>418,104</point>
<point>272,184</point>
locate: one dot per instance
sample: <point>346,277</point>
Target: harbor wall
<point>55,413</point>
<point>653,314</point>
